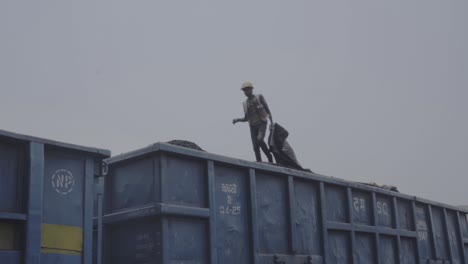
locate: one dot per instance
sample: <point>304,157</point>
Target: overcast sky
<point>369,90</point>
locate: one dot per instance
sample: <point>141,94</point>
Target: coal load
<point>385,187</point>
<point>185,144</point>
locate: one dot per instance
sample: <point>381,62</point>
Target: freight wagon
<point>167,204</point>
<point>46,200</point>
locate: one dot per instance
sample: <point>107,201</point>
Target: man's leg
<point>256,147</point>
<point>260,136</point>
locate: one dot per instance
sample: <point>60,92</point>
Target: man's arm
<point>267,109</point>
<point>240,119</point>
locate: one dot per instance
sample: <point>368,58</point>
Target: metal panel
<point>351,218</point>
<point>8,235</point>
<point>336,200</point>
<point>213,212</point>
<point>88,212</point>
<point>253,213</point>
<point>362,213</point>
<point>388,250</point>
<point>464,225</point>
<point>98,234</point>
<point>385,213</point>
<point>440,234</point>
<point>287,259</point>
<point>339,247</point>
<point>292,216</point>
<point>11,178</point>
<point>187,182</point>
<point>433,235</point>
<point>466,253</point>
<point>60,258</point>
<point>10,257</point>
<point>453,236</point>
<point>272,214</point>
<point>460,236</point>
<point>13,216</point>
<point>188,241</point>
<point>413,209</point>
<point>323,218</point>
<point>33,226</point>
<point>96,202</point>
<point>374,222</point>
<point>397,226</point>
<point>131,185</point>
<point>67,203</point>
<point>405,214</point>
<point>365,248</point>
<point>163,181</point>
<point>96,256</point>
<point>307,218</point>
<point>63,189</point>
<point>135,242</point>
<point>232,215</point>
<point>408,251</point>
<point>164,197</point>
<point>446,226</point>
<point>424,232</point>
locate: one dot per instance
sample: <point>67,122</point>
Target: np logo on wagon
<point>63,181</point>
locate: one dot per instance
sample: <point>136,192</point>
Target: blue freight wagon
<point>46,200</point>
<point>171,205</point>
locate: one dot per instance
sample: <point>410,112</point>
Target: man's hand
<point>235,120</point>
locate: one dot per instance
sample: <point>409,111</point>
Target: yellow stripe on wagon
<point>61,239</point>
<point>7,236</point>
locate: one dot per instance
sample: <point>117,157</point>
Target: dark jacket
<point>279,146</point>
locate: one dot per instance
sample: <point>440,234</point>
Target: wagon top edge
<point>97,151</point>
<point>161,147</point>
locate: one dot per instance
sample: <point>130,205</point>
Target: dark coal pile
<point>386,187</point>
<point>288,167</point>
<point>185,144</point>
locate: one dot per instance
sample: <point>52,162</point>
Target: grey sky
<point>370,90</point>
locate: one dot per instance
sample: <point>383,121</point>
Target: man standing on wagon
<point>257,114</point>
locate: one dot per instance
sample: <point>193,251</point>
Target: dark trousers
<point>257,132</point>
